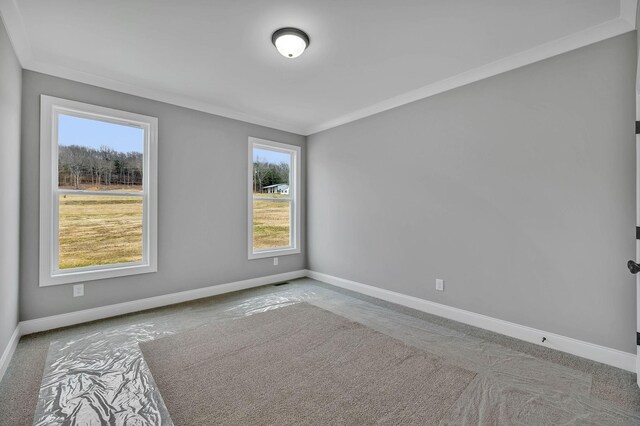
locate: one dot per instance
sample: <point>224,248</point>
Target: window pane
<point>271,219</point>
<point>98,155</point>
<point>271,170</point>
<point>99,230</point>
<point>271,224</point>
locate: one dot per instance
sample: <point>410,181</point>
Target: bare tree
<point>72,160</point>
<point>79,165</point>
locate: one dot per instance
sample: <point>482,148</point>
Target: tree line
<point>265,174</point>
<point>81,165</point>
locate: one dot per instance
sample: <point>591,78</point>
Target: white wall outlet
<point>275,261</point>
<point>78,290</point>
<point>439,284</point>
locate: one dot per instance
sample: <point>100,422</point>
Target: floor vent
<point>283,283</point>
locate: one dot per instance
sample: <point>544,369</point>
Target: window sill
<point>75,276</point>
<point>273,253</point>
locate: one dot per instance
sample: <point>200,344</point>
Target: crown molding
<point>556,47</point>
<point>628,11</point>
<point>625,22</point>
<point>156,95</point>
<point>13,22</point>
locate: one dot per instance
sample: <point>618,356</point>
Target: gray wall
<point>202,195</point>
<point>518,191</point>
<point>10,88</point>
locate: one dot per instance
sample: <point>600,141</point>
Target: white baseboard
<point>613,357</point>
<point>78,317</point>
<point>9,350</point>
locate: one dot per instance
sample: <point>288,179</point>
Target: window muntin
<point>98,192</point>
<point>274,212</point>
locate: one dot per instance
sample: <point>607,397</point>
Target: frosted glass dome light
<point>290,42</point>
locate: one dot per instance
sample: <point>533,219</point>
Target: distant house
<point>279,188</point>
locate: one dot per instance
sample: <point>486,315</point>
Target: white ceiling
<point>365,56</point>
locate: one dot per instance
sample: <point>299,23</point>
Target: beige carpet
<point>299,365</point>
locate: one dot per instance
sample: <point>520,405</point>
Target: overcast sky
<point>271,156</point>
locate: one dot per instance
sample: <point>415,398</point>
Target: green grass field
<point>103,230</point>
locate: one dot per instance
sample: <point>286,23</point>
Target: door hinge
<point>637,127</point>
<point>638,338</point>
<point>637,232</point>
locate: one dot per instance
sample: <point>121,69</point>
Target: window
<point>97,192</point>
<point>274,190</point>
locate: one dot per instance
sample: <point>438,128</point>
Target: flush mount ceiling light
<point>290,42</point>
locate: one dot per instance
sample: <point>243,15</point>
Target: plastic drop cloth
<point>101,377</point>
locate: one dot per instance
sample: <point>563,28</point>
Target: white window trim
<point>49,271</point>
<point>294,192</point>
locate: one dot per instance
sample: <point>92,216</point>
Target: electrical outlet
<point>439,284</point>
<point>275,261</point>
<point>78,290</point>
